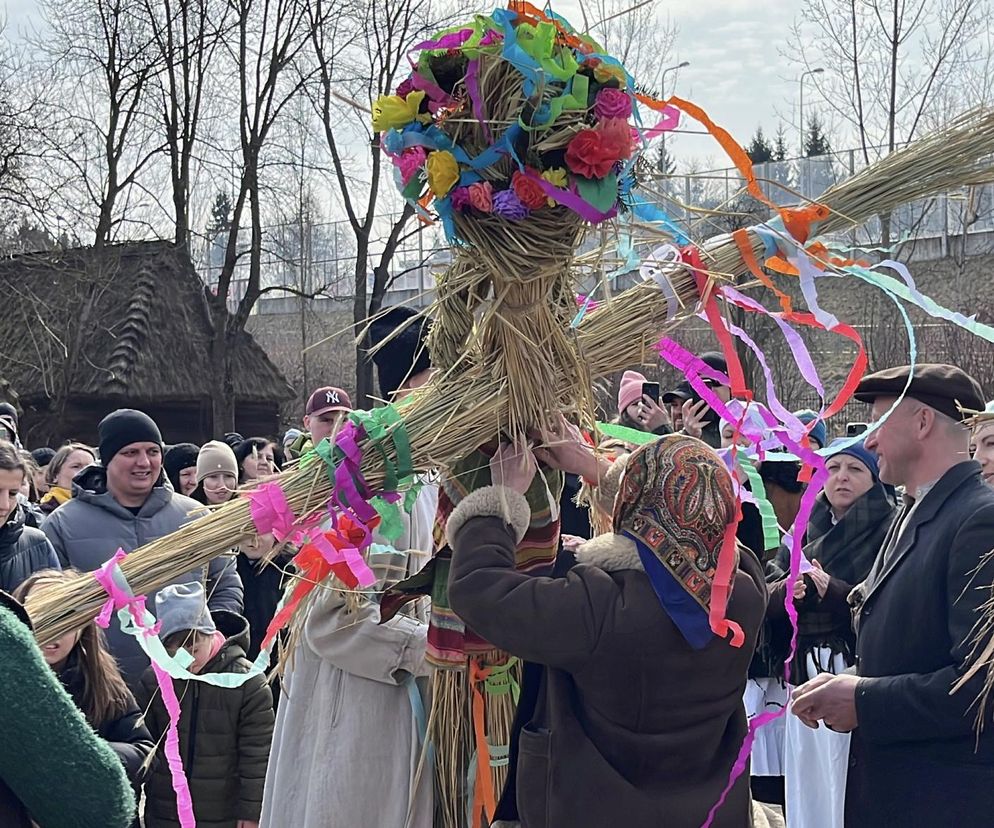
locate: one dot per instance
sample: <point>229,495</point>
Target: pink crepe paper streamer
<point>693,368</point>
<point>271,513</point>
<point>120,598</point>
<point>351,556</point>
<point>184,801</point>
<point>669,121</point>
<point>472,82</point>
<point>571,200</point>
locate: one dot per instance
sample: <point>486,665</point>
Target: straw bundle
<point>461,411</point>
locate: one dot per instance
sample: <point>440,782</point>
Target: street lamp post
<point>662,95</point>
<point>802,166</point>
<point>817,71</point>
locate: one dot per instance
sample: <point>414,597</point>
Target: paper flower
<point>616,137</point>
<point>481,196</point>
<point>557,177</point>
<point>411,160</point>
<point>612,103</point>
<point>508,205</point>
<point>406,87</point>
<point>395,112</point>
<point>528,190</point>
<point>443,173</point>
<point>605,72</point>
<point>460,199</point>
<point>587,154</point>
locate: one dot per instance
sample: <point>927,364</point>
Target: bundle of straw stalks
<point>462,409</point>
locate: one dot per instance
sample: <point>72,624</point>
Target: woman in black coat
<point>846,529</point>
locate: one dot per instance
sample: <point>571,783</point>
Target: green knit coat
<point>52,764</point>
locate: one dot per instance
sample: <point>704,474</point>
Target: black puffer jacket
<point>127,734</point>
<point>224,737</point>
<point>263,587</point>
<point>23,550</point>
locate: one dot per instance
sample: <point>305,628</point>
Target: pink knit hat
<point>630,390</point>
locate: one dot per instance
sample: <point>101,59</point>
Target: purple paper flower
<point>612,103</point>
<point>406,86</point>
<point>460,199</point>
<point>508,205</point>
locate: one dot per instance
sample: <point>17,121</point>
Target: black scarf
<point>847,550</point>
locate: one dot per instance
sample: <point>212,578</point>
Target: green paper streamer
<point>771,530</point>
<point>391,526</point>
<point>627,435</point>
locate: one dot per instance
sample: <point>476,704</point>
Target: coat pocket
<point>534,777</point>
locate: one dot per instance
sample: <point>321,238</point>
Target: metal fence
<point>319,258</point>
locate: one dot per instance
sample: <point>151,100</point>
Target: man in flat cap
<point>915,757</point>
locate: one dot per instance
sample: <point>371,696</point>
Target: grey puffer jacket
<point>23,550</point>
<point>87,531</point>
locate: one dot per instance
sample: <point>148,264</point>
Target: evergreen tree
<point>665,164</point>
<point>780,145</point>
<point>759,149</point>
<point>220,215</point>
<point>815,140</point>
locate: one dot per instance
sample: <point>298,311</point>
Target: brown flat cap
<point>941,387</point>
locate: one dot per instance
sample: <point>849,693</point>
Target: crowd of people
<point>644,663</point>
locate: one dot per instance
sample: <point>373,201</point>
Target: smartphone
<point>651,390</point>
<point>853,429</point>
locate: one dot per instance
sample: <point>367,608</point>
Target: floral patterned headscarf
<point>677,503</point>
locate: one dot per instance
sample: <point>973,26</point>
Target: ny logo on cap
<point>332,397</point>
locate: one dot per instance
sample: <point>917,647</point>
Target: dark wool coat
<point>126,733</point>
<point>915,757</point>
<point>631,726</point>
<point>23,550</point>
<point>224,737</point>
<point>846,550</point>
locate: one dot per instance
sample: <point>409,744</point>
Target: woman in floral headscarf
<point>639,715</point>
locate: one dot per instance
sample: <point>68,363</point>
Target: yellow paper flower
<point>557,178</point>
<point>443,173</point>
<point>603,72</point>
<point>395,112</point>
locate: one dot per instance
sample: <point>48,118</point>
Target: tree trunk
<point>222,389</point>
<point>360,311</point>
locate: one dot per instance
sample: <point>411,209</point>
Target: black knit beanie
<point>179,457</point>
<point>122,428</point>
<point>406,354</point>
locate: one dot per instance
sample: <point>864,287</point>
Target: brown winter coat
<point>224,738</point>
<point>632,727</point>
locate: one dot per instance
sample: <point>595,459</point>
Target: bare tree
<point>892,65</point>
<point>186,36</point>
<point>636,34</point>
<point>383,32</point>
<point>101,63</point>
<point>264,51</point>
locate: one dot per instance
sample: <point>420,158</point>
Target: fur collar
<point>610,552</point>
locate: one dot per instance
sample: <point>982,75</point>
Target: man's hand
<point>247,823</point>
<point>695,418</point>
<point>830,699</point>
<point>513,466</point>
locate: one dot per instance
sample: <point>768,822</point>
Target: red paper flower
<point>616,136</point>
<point>528,190</point>
<point>589,156</point>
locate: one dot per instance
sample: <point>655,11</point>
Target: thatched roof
<point>130,322</point>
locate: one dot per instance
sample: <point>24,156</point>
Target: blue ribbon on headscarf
<point>688,615</point>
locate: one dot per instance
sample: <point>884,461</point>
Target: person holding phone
<point>638,405</point>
